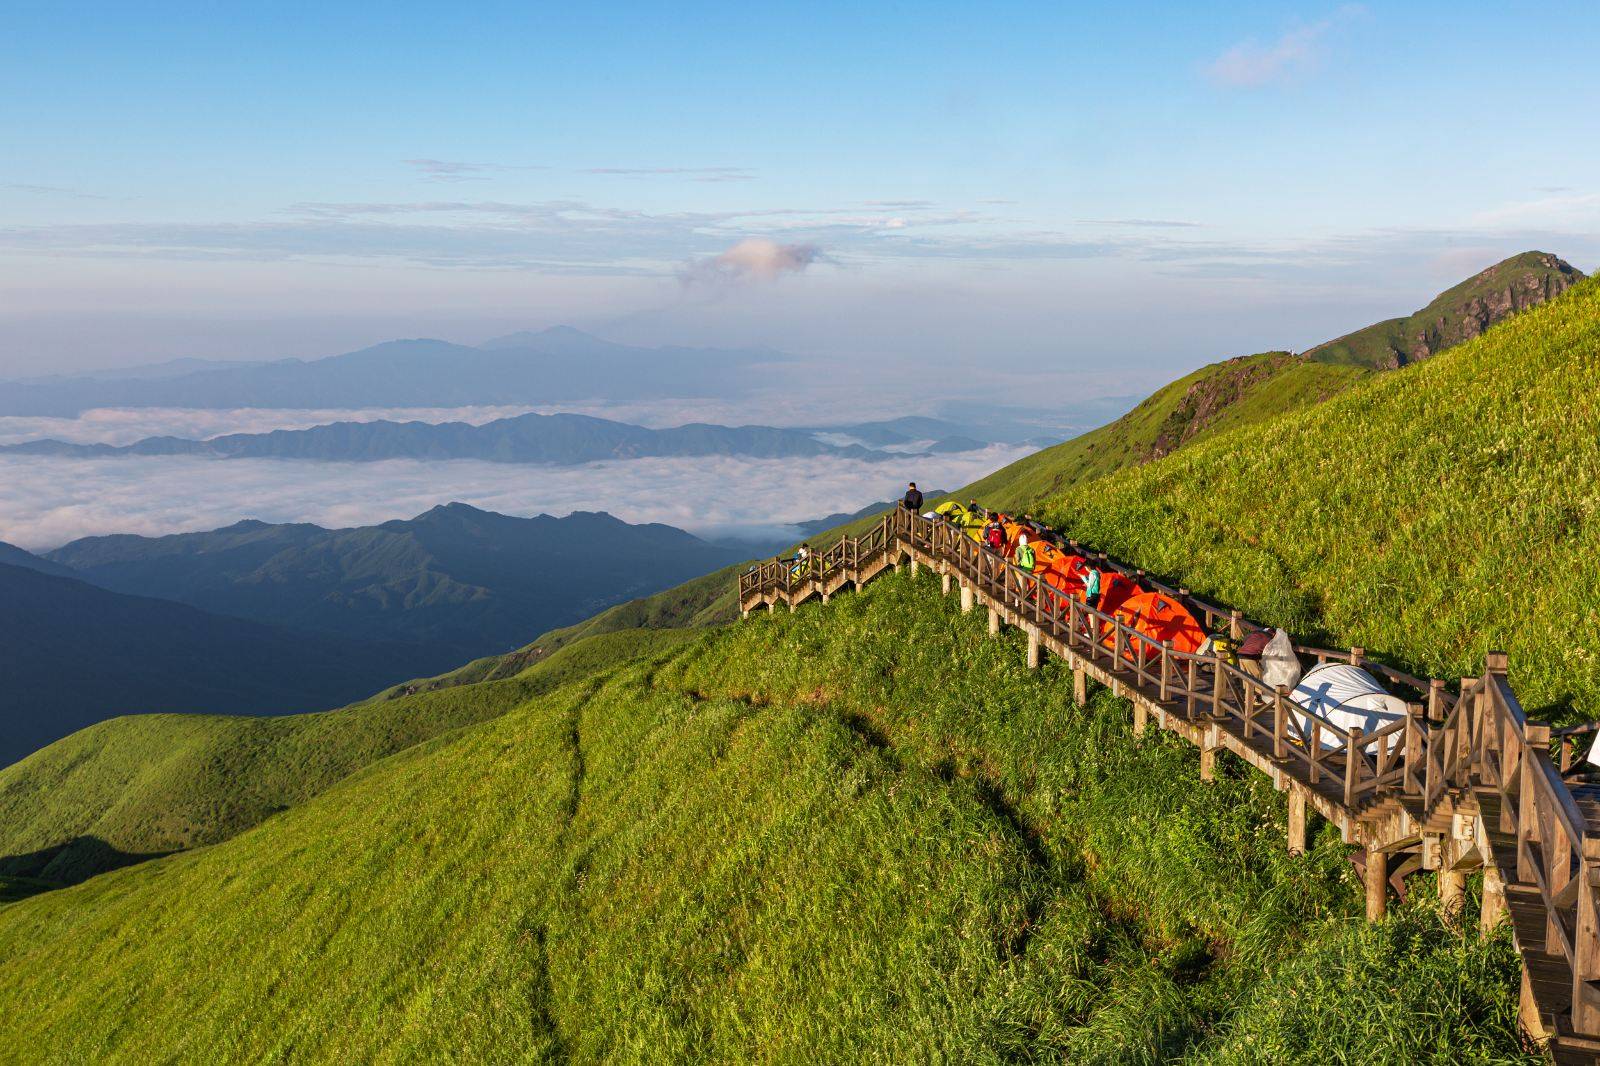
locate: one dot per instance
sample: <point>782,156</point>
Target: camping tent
<point>1346,696</point>
<point>1161,618</point>
<point>1116,589</point>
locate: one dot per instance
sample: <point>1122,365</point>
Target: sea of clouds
<point>48,501</point>
<point>124,425</point>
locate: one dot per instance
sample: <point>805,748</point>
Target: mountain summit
<point>1455,315</point>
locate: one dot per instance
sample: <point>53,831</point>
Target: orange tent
<point>1045,556</point>
<point>1115,588</point>
<point>1161,618</point>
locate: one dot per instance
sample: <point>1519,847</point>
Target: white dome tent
<point>1347,697</point>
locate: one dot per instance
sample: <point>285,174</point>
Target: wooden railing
<point>1445,756</point>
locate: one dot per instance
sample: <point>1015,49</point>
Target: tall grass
<point>861,832</point>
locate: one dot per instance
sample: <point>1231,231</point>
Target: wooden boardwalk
<point>1465,781</point>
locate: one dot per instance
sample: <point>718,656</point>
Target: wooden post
<point>1235,625</point>
<point>1352,767</point>
<point>1297,822</point>
<point>1586,944</point>
<point>915,566</point>
<point>1208,757</point>
<point>1452,882</point>
<point>1033,647</point>
<point>1141,717</point>
<point>1280,724</point>
<point>1436,700</point>
<point>1377,879</point>
<point>1494,899</point>
<point>1356,655</point>
<point>1528,1012</point>
<point>772,605</point>
<point>744,613</point>
<point>1410,782</point>
<point>825,597</point>
<point>994,622</point>
<point>966,597</point>
<point>944,583</point>
<point>1080,685</point>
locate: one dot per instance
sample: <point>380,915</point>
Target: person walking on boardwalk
<point>913,499</point>
<point>1091,586</point>
<point>1024,554</point>
<point>802,560</point>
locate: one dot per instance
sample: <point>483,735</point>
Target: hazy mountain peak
<point>559,336</point>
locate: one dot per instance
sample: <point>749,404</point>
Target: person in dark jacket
<point>913,499</point>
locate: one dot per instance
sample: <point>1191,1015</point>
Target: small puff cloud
<point>1251,64</point>
<point>752,259</point>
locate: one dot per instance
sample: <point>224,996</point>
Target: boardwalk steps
<point>1464,782</point>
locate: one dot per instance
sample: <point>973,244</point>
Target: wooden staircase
<point>1464,782</point>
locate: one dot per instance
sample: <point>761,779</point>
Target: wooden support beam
<point>1208,754</point>
<point>1494,899</point>
<point>1377,880</point>
<point>1080,685</point>
<point>1141,718</point>
<point>1033,648</point>
<point>915,566</point>
<point>772,605</point>
<point>966,597</point>
<point>1452,881</point>
<point>1297,822</point>
<point>994,622</point>
<point>1528,1012</point>
<point>825,597</point>
<point>944,583</point>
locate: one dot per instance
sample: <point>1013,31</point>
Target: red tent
<point>1115,588</point>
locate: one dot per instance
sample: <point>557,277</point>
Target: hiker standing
<point>802,557</point>
<point>1024,554</point>
<point>1091,586</point>
<point>913,499</point>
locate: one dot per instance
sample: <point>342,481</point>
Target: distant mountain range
<point>531,438</point>
<point>75,654</point>
<point>261,618</point>
<point>558,364</point>
<point>464,581</point>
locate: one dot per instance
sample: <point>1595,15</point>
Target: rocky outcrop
<point>1495,294</point>
<point>1205,400</point>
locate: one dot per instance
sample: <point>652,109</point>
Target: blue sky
<point>1144,187</point>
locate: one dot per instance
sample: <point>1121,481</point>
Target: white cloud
<point>1251,64</point>
<point>47,501</point>
<point>124,425</point>
<point>752,259</point>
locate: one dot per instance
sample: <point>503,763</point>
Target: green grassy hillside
<point>1458,314</point>
<point>803,838</point>
<point>1431,514</point>
<point>1214,399</point>
<point>143,785</point>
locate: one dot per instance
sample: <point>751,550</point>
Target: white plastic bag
<point>1279,664</point>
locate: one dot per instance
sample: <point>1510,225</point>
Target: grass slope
<point>1433,513</point>
<point>141,785</point>
<point>806,837</point>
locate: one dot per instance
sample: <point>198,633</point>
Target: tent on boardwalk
<point>1162,619</point>
<point>1347,697</point>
